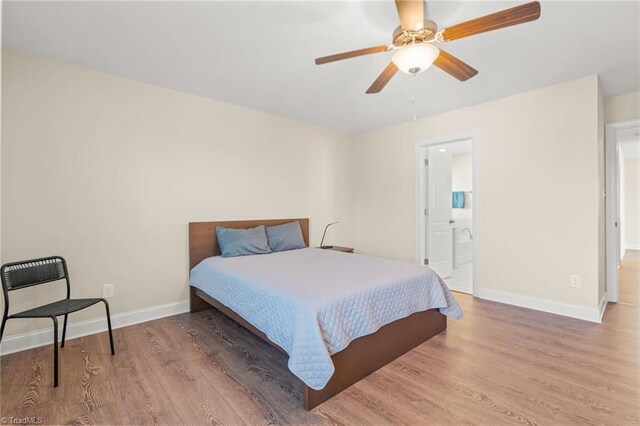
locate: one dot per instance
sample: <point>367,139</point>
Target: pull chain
<point>413,77</point>
<point>413,100</point>
<point>413,72</point>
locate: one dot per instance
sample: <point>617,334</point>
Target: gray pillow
<point>242,242</point>
<point>285,237</point>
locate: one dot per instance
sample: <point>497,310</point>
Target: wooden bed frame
<point>362,357</point>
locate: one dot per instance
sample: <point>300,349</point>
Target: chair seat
<point>61,307</point>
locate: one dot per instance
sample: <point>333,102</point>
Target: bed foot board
<point>367,354</point>
<point>362,357</point>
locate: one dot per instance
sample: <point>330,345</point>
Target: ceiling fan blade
<point>506,18</point>
<point>454,66</point>
<point>411,13</point>
<point>352,54</point>
<point>383,78</point>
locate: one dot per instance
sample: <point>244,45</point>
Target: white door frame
<point>612,204</point>
<point>420,202</point>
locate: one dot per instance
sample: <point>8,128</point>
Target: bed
<point>353,315</point>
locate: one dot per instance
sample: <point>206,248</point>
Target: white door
<point>439,222</point>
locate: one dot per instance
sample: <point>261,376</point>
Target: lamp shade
<point>415,58</point>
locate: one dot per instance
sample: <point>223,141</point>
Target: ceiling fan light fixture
<point>415,58</point>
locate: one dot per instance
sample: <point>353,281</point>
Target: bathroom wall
<point>462,180</point>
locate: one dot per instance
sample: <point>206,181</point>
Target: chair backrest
<point>28,273</point>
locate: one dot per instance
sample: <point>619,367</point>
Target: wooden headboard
<point>203,242</point>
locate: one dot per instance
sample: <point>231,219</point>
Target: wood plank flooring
<point>629,278</point>
<point>498,365</point>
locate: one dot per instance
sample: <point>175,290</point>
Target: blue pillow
<point>285,237</point>
<point>242,242</point>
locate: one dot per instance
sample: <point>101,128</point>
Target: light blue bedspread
<point>314,302</point>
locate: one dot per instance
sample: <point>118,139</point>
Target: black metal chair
<point>29,273</point>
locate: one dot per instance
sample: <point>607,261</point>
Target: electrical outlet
<point>107,291</point>
<point>575,281</point>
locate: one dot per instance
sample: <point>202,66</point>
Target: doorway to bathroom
<point>446,217</point>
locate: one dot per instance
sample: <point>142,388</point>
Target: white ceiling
<point>260,54</point>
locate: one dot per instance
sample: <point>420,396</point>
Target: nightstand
<point>338,248</point>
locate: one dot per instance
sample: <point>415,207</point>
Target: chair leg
<point>4,321</point>
<point>106,306</point>
<point>55,351</point>
<point>64,330</point>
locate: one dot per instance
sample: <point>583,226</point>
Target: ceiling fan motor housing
<point>426,34</point>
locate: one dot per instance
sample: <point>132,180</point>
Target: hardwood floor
<point>629,278</point>
<point>498,365</point>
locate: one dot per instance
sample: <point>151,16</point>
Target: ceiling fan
<point>413,41</point>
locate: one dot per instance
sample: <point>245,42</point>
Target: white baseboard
<point>568,310</point>
<point>630,246</point>
<point>34,339</point>
<point>460,289</point>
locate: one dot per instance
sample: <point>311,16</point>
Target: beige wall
<point>1,262</point>
<point>602,224</point>
<point>540,196</point>
<point>107,172</point>
<point>631,205</point>
<point>622,108</point>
